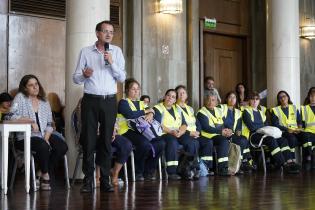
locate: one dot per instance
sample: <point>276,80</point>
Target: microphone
<point>106,48</point>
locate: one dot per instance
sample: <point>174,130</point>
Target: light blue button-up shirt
<point>104,77</point>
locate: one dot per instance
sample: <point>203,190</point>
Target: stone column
<point>283,52</point>
<point>82,17</point>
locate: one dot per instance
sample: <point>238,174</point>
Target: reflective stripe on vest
<point>309,118</point>
<point>288,122</point>
<point>122,121</point>
<point>212,120</point>
<point>189,117</point>
<point>245,130</point>
<point>167,119</point>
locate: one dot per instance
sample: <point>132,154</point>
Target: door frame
<point>247,72</point>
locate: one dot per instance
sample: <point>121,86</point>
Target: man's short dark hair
<point>208,78</point>
<point>99,25</point>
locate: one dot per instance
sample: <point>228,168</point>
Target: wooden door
<point>116,18</point>
<point>223,60</point>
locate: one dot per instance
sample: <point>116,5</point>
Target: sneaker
<point>294,168</point>
<point>210,173</point>
<point>174,177</point>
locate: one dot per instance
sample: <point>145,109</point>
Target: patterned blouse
<point>22,107</point>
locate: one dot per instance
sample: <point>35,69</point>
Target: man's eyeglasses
<point>107,32</point>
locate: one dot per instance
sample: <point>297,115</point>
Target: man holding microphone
<point>99,68</point>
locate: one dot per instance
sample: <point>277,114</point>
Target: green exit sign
<point>210,23</point>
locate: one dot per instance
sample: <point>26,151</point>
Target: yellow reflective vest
<point>168,120</point>
<point>212,120</point>
<point>308,118</point>
<point>291,120</point>
<point>122,121</point>
<point>262,111</point>
<point>237,114</point>
<point>189,117</point>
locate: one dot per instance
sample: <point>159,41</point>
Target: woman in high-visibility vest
<point>174,128</point>
<point>287,118</point>
<point>147,152</point>
<point>193,125</point>
<point>255,118</point>
<point>233,121</point>
<point>213,131</point>
<point>308,123</point>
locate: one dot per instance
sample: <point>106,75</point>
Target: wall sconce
<point>170,6</point>
<point>307,32</point>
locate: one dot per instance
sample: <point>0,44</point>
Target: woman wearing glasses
<point>254,118</point>
<point>287,118</point>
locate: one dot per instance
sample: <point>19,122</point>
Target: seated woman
<point>241,94</point>
<point>5,105</point>
<point>213,131</point>
<point>147,152</point>
<point>174,127</point>
<point>30,103</point>
<point>287,118</point>
<point>233,121</point>
<point>193,126</point>
<point>308,122</point>
<point>255,118</point>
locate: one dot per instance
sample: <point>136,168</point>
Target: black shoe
<point>150,177</point>
<point>105,186</point>
<point>223,171</point>
<point>174,177</point>
<point>139,177</point>
<point>87,186</point>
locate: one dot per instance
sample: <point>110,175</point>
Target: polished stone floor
<point>256,191</point>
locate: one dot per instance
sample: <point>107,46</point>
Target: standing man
<point>99,67</point>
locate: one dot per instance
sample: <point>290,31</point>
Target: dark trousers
<point>279,148</point>
<point>142,149</point>
<point>47,156</point>
<point>206,151</point>
<point>307,140</point>
<point>97,112</point>
<point>190,144</point>
<point>171,153</point>
<point>222,145</point>
<point>244,145</point>
<point>293,141</point>
<point>222,148</point>
<point>152,161</point>
<point>123,149</point>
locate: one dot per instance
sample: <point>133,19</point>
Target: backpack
<point>188,167</point>
<point>149,130</point>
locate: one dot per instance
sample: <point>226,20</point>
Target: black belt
<point>99,96</point>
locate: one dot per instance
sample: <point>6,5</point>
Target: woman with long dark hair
<point>287,118</point>
<point>30,103</point>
